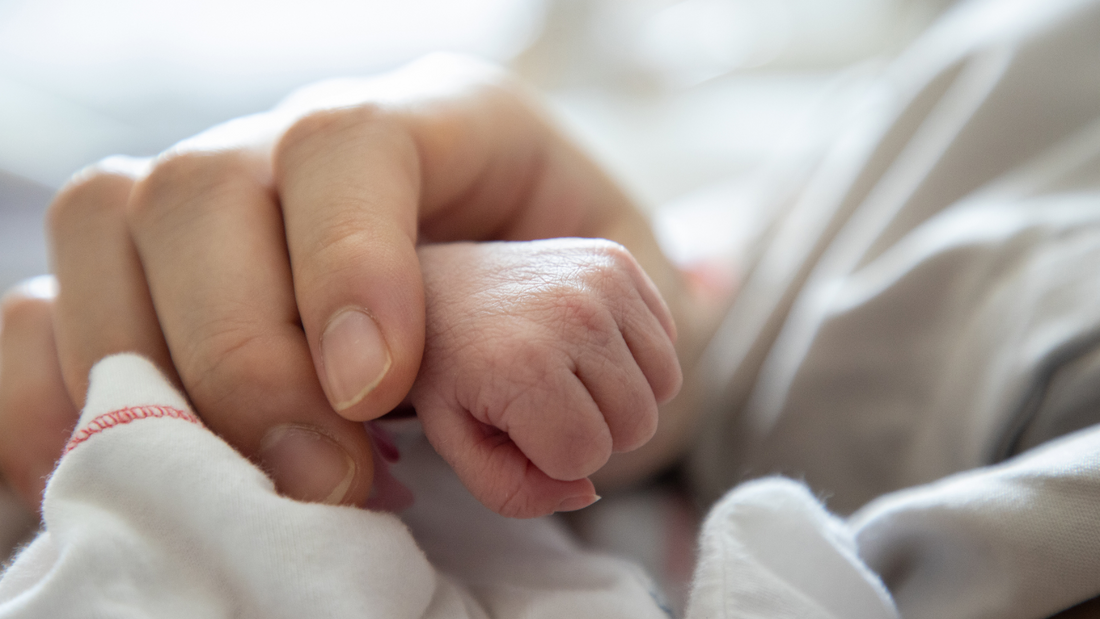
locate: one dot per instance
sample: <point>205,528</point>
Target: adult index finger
<point>349,184</point>
<point>439,147</point>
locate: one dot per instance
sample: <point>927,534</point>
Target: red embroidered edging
<point>109,420</point>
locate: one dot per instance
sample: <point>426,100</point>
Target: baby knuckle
<point>602,253</point>
<point>576,305</point>
<point>582,454</point>
<point>612,268</point>
<point>515,383</point>
<point>637,428</point>
<point>585,318</point>
<point>514,507</point>
<point>615,253</point>
<point>513,503</point>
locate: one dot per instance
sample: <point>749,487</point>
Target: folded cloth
<point>1019,540</point>
<point>149,514</point>
<point>770,550</point>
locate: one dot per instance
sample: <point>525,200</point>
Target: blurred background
<point>672,96</point>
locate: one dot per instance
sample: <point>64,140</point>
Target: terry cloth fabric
<point>149,514</point>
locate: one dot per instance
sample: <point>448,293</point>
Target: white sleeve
<point>149,514</point>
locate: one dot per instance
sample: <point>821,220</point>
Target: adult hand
<point>269,265</point>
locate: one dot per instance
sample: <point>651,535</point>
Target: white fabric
<point>1019,540</point>
<point>914,304</point>
<point>930,306</point>
<point>151,515</point>
<point>769,550</point>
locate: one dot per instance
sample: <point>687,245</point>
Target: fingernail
<point>355,357</point>
<point>307,465</point>
<point>574,503</point>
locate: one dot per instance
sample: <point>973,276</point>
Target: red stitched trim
<point>109,420</point>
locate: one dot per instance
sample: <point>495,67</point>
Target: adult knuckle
<point>188,179</point>
<point>95,191</point>
<point>13,305</point>
<point>348,240</point>
<point>227,358</point>
<point>326,128</point>
<point>17,309</point>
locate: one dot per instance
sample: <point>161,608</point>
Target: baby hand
<point>542,359</point>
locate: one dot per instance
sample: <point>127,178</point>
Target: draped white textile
<point>928,306</point>
<point>918,340</point>
<point>149,514</point>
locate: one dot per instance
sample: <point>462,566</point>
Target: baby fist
<point>542,359</point>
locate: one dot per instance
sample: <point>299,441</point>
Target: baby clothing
<point>149,514</point>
